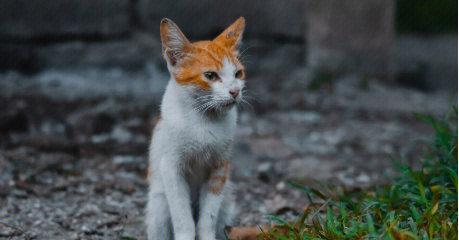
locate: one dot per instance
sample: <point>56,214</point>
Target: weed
<point>419,204</point>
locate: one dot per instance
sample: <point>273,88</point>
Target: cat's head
<point>210,70</point>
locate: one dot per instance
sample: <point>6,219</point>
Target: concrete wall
<point>338,35</point>
<point>351,35</point>
<point>66,19</point>
<point>51,19</point>
<point>206,18</point>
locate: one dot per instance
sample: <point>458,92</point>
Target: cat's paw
<point>184,237</point>
<point>207,236</point>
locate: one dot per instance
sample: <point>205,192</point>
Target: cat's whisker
<point>250,96</point>
<point>210,106</point>
<point>204,106</point>
<point>241,54</point>
<point>244,103</point>
<point>203,98</point>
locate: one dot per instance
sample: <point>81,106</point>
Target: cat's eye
<point>239,74</point>
<point>212,76</point>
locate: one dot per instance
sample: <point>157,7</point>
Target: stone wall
<point>351,35</point>
<point>63,19</point>
<point>67,19</point>
<point>336,35</point>
<point>206,18</point>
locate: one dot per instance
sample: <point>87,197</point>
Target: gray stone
<point>131,53</point>
<point>203,19</point>
<point>427,62</point>
<point>351,35</point>
<point>23,19</point>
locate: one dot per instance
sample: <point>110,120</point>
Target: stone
<point>427,62</point>
<point>132,54</point>
<point>351,35</point>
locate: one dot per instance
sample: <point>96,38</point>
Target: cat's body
<point>190,192</point>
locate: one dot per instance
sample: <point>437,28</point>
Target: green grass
<point>426,16</point>
<point>419,204</point>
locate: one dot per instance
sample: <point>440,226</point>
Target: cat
<point>190,193</point>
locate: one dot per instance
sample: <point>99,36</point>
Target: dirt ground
<point>73,145</point>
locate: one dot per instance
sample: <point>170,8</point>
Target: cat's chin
<point>229,103</point>
<point>223,107</point>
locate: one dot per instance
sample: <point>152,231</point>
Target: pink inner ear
<point>171,56</point>
<point>231,34</point>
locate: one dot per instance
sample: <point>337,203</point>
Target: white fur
<point>185,143</point>
<point>228,81</point>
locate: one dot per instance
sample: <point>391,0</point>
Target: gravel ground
<point>73,146</point>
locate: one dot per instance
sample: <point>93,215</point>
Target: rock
<point>276,203</point>
<point>310,168</point>
<point>125,186</point>
<point>281,186</point>
<point>111,208</point>
<point>363,179</point>
<point>88,210</point>
<point>89,229</point>
<point>102,187</point>
<point>271,147</point>
<point>265,172</point>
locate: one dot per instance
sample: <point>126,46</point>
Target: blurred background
<point>333,87</point>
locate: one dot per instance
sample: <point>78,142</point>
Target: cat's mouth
<point>228,103</point>
<point>215,105</point>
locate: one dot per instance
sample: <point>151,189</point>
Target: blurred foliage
<point>426,16</point>
<point>321,78</point>
<point>419,204</point>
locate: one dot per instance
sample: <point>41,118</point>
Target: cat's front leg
<point>177,193</point>
<point>211,198</point>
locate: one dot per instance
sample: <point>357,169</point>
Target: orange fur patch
<point>231,37</point>
<point>204,56</point>
<point>192,60</point>
<point>218,177</point>
<point>149,172</point>
<point>155,121</point>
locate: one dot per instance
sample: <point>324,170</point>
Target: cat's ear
<point>173,40</point>
<point>232,36</point>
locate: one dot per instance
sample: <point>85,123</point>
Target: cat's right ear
<point>173,40</point>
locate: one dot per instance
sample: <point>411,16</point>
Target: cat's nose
<point>234,92</point>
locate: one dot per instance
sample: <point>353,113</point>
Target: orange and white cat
<point>190,191</point>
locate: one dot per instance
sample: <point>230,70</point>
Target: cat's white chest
<point>208,139</point>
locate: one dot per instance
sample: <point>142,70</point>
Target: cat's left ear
<point>174,41</point>
<point>232,36</point>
